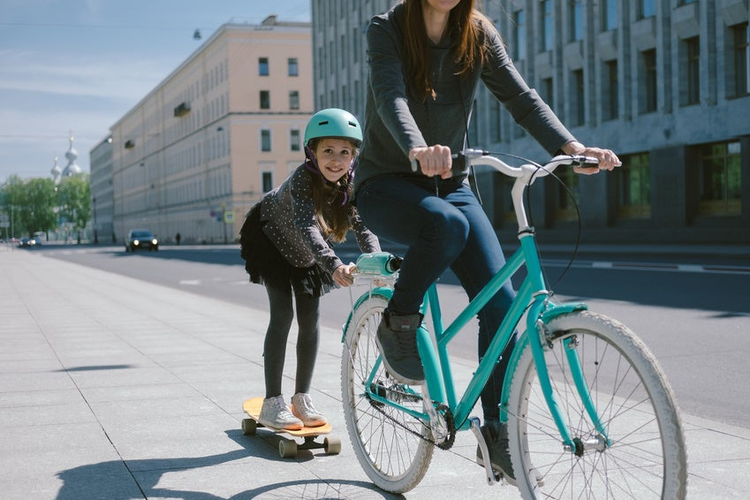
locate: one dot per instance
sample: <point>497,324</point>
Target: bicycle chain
<point>449,420</point>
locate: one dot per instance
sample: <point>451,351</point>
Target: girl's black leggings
<point>274,348</point>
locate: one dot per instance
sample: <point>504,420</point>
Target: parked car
<point>141,239</point>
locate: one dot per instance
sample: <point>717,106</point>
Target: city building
<point>664,84</point>
<point>102,193</point>
<point>218,132</point>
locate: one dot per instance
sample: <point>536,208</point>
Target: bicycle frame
<point>532,296</point>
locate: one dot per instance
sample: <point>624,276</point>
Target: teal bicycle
<point>590,413</point>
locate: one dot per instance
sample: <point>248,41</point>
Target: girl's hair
<point>332,209</point>
<point>465,23</point>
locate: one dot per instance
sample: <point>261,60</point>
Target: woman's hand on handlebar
<point>608,160</point>
<point>433,160</point>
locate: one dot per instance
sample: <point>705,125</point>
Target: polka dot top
<point>292,227</point>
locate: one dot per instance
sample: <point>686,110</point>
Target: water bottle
<point>378,264</point>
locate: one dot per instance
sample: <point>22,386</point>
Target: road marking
<point>650,266</point>
<point>190,282</point>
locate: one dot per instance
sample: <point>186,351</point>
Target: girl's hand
<point>608,160</point>
<point>433,160</point>
<point>342,276</point>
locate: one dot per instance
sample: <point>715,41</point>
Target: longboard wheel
<point>287,448</point>
<point>332,445</point>
<point>249,426</point>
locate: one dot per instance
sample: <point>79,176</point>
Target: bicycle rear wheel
<point>646,457</point>
<point>391,446</point>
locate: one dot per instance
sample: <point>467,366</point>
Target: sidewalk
<point>114,388</point>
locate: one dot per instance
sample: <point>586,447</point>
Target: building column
<point>669,193</point>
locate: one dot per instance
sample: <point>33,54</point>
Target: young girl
<point>286,243</point>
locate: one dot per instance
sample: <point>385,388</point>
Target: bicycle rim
<point>386,441</point>
<point>646,457</point>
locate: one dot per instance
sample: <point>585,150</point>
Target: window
<point>566,204</point>
<point>355,45</point>
<point>343,52</point>
<point>267,181</point>
<point>519,36</point>
<point>648,82</point>
<point>547,28</point>
<point>265,99</point>
<point>609,14</point>
<point>646,8</point>
<point>720,180</point>
<point>691,79</point>
<point>548,92</point>
<point>293,99</point>
<point>263,66</point>
<point>265,140</point>
<point>738,78</point>
<point>576,20</point>
<point>634,187</point>
<point>578,103</point>
<point>294,141</point>
<point>292,66</point>
<point>611,90</point>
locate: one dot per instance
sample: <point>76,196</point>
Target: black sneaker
<point>496,436</point>
<point>397,341</point>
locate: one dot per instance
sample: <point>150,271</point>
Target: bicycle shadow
<point>127,479</point>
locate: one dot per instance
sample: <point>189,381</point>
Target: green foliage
<point>74,200</point>
<point>37,204</point>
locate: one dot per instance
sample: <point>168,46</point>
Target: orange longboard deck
<point>252,408</point>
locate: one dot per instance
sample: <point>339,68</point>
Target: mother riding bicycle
<point>426,59</point>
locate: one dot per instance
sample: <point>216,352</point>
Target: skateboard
<point>288,447</point>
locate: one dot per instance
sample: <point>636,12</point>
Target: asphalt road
<point>693,312</point>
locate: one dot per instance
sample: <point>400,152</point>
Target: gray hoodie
<point>397,120</point>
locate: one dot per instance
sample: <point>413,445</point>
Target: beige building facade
<point>222,129</point>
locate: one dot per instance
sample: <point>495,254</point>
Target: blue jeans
<point>443,225</point>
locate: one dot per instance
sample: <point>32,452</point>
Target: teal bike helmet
<point>333,122</point>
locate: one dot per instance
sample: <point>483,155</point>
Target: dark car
<point>27,242</point>
<point>141,239</point>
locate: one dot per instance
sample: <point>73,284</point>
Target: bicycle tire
<point>647,457</point>
<point>386,441</point>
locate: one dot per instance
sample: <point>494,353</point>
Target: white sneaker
<point>275,414</point>
<point>303,409</point>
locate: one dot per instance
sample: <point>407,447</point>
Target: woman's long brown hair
<point>332,207</point>
<point>464,21</point>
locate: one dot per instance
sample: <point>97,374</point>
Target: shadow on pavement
<point>127,479</point>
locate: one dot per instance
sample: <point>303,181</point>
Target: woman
<point>426,60</point>
<point>285,244</point>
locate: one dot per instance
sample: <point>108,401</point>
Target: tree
<point>29,205</point>
<point>37,213</point>
<point>11,194</point>
<point>74,201</point>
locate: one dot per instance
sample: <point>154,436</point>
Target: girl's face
<point>334,157</point>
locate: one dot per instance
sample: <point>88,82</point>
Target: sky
<point>75,67</point>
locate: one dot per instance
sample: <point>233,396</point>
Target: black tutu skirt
<point>265,264</point>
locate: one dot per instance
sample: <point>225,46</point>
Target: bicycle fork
<point>570,443</point>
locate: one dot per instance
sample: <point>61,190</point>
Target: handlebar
<point>480,157</point>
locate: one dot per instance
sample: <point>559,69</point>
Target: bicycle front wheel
<point>638,451</point>
<point>392,448</point>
